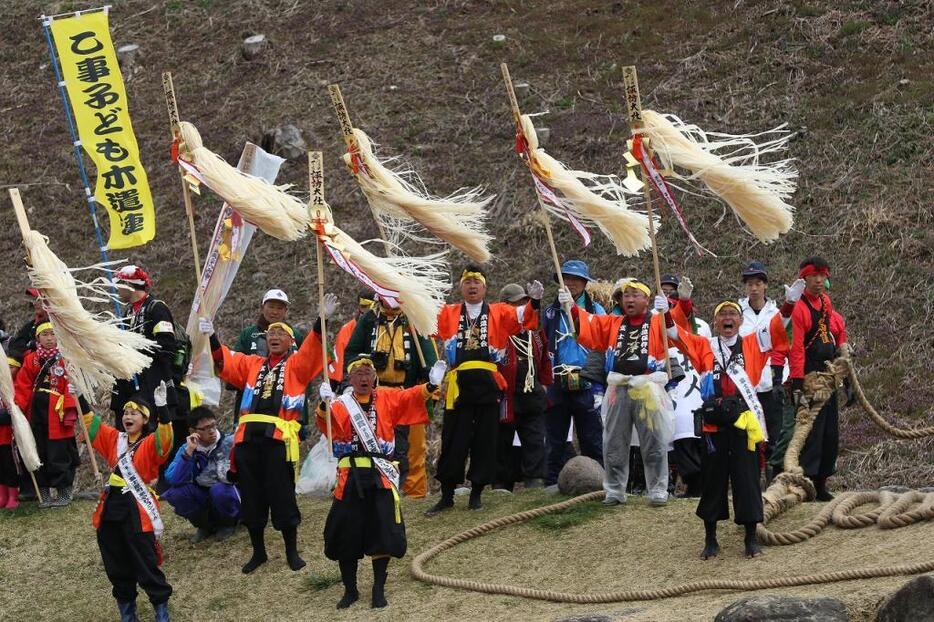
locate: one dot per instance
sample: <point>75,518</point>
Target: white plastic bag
<point>319,471</point>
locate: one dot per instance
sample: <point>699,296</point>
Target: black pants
<point>8,474</point>
<point>401,452</point>
<point>266,483</point>
<point>730,464</point>
<point>564,407</point>
<point>364,521</point>
<point>772,406</point>
<point>819,455</point>
<point>469,430</point>
<point>527,461</point>
<point>687,457</point>
<point>59,461</point>
<point>130,558</point>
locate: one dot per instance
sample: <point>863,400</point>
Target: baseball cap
<point>670,279</point>
<point>512,292</point>
<point>275,294</point>
<point>755,269</point>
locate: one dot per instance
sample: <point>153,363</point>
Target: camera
<point>380,360</point>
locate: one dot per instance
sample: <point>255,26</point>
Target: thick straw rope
<point>788,489</point>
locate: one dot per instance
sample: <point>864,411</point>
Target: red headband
<point>810,270</point>
<point>134,275</point>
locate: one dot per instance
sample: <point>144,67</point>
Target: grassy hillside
<point>852,79</point>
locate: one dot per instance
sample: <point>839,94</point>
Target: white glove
<point>330,304</point>
<point>661,304</point>
<point>436,374</point>
<point>597,400</point>
<point>159,394</point>
<point>325,392</point>
<point>793,292</point>
<point>535,289</point>
<point>685,289</point>
<point>564,297</point>
<point>206,326</point>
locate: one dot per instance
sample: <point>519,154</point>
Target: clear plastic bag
<point>318,475</point>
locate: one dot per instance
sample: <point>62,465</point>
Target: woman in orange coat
<point>127,517</point>
<point>47,398</point>
<point>365,518</point>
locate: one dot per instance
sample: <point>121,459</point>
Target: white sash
<point>744,385</point>
<point>136,486</point>
<point>368,439</point>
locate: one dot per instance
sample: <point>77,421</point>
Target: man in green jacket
<point>384,333</point>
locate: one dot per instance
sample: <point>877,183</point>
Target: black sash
<point>473,337</point>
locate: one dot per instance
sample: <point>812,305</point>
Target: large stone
<point>286,141</point>
<point>913,601</point>
<point>580,475</point>
<point>252,46</point>
<point>128,57</point>
<point>780,608</point>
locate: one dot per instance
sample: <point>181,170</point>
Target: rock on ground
<point>580,475</point>
<point>781,608</point>
<point>913,601</point>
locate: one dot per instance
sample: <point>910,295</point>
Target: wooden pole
<point>546,219</point>
<point>343,117</point>
<point>93,457</point>
<point>24,229</point>
<point>168,89</point>
<point>634,112</point>
<point>319,216</point>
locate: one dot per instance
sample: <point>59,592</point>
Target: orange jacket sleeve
<point>448,318</point>
<point>597,332</point>
<point>306,363</point>
<point>24,383</point>
<point>340,421</point>
<point>236,367</point>
<point>407,406</point>
<point>696,348</point>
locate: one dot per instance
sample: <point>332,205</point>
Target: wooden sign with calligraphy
<point>342,115</point>
<point>633,101</point>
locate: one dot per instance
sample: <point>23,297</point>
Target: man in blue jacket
<point>199,488</point>
<point>577,391</point>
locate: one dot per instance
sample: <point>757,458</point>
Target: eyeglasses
<point>207,428</point>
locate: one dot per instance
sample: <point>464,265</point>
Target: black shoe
<point>380,570</point>
<point>259,550</point>
<point>290,537</point>
<point>442,505</point>
<point>711,549</point>
<point>349,579</point>
<point>752,543</point>
<point>822,492</point>
<point>475,502</point>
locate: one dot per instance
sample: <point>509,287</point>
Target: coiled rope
<point>787,490</point>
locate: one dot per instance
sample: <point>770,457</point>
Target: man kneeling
<point>199,489</point>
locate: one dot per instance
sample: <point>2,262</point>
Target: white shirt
<point>753,322</point>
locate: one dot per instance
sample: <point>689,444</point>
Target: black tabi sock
<point>380,570</point>
<point>257,539</point>
<point>349,579</point>
<point>290,537</point>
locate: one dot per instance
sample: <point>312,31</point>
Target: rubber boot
<point>380,570</point>
<point>162,612</point>
<point>12,500</point>
<point>4,495</point>
<point>127,611</point>
<point>45,497</point>
<point>259,550</point>
<point>752,543</point>
<point>475,503</point>
<point>711,546</point>
<point>65,495</point>
<point>446,502</point>
<point>822,494</point>
<point>290,537</point>
<point>349,579</point>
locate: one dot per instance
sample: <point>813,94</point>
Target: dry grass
<point>51,560</point>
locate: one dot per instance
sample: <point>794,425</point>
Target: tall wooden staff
<point>343,117</point>
<point>319,218</point>
<point>546,219</point>
<point>168,89</point>
<point>24,230</point>
<point>634,113</point>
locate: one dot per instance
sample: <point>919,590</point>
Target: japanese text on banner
<point>98,99</point>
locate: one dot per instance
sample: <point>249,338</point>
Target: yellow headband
<point>131,405</point>
<point>473,275</point>
<point>358,363</point>
<point>365,302</point>
<point>637,285</point>
<point>727,303</point>
<point>283,326</point>
<point>43,327</point>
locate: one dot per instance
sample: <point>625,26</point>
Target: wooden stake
<point>343,117</point>
<point>546,219</point>
<point>168,88</point>
<point>634,112</point>
<point>35,486</point>
<point>319,215</point>
<point>87,440</point>
<point>24,229</point>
